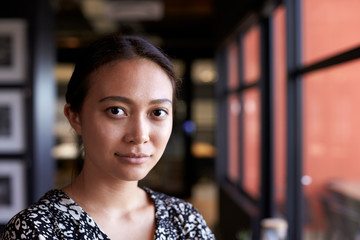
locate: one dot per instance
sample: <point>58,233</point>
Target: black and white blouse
<point>57,216</point>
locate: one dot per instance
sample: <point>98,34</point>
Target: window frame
<point>295,71</point>
<point>265,205</point>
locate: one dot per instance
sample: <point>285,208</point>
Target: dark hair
<point>108,49</point>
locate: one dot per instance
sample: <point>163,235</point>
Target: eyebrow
<point>129,101</point>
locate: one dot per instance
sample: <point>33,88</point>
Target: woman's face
<point>126,118</point>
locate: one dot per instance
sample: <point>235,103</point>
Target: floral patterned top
<point>57,216</point>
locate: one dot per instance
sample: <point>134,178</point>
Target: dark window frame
<point>265,206</point>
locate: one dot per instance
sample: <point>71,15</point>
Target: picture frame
<point>12,51</point>
<point>12,189</point>
<point>12,139</point>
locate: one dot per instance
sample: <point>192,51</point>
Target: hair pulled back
<point>109,49</point>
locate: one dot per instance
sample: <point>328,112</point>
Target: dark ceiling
<point>188,28</point>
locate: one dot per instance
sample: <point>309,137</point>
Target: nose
<point>137,131</point>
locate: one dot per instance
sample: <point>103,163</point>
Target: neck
<point>93,191</point>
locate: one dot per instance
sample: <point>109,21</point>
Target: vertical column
<point>294,121</point>
<point>44,96</point>
<point>266,125</point>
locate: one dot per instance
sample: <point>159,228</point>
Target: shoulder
<point>181,214</point>
<point>39,219</point>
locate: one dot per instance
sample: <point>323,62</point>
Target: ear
<point>73,118</point>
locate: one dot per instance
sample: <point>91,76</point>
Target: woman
<point>120,100</point>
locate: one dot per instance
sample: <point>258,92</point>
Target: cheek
<point>163,134</point>
<point>98,134</point>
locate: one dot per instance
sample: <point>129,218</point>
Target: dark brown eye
<point>159,113</point>
<point>116,111</point>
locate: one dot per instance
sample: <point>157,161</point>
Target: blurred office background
<point>267,119</point>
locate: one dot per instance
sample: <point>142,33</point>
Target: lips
<point>133,158</point>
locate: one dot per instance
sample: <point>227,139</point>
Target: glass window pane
<point>233,113</point>
<point>331,179</point>
<point>279,63</point>
<point>233,65</point>
<point>329,27</point>
<point>251,51</point>
<point>251,115</point>
<point>233,141</point>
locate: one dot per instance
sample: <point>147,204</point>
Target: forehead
<point>131,77</point>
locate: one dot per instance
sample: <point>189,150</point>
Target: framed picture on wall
<point>11,121</point>
<point>12,189</point>
<point>12,50</point>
